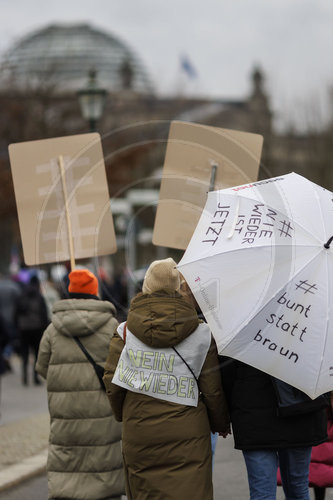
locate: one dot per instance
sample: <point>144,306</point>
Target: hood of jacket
<point>81,317</point>
<point>161,319</point>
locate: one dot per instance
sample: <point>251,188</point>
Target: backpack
<point>292,401</point>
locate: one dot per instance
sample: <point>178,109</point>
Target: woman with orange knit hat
<point>84,459</point>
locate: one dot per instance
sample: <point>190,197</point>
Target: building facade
<point>39,79</point>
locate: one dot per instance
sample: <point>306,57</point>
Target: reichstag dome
<point>63,54</point>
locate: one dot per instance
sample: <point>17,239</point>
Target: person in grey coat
<point>84,459</point>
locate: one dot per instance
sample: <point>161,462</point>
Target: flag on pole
<point>187,67</point>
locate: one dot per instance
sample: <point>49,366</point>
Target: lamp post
<point>92,100</point>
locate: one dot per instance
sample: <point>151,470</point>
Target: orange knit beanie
<point>83,281</point>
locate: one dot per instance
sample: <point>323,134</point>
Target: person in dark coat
<point>31,320</point>
<point>9,293</point>
<point>4,339</point>
<point>267,439</point>
<point>321,465</point>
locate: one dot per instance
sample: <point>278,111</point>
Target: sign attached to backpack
<point>62,213</point>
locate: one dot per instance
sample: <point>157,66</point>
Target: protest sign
<point>62,199</point>
<point>162,373</point>
<point>199,159</point>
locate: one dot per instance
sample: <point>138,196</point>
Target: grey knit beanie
<point>161,275</point>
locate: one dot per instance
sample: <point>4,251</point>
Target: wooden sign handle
<point>214,166</point>
<point>68,218</point>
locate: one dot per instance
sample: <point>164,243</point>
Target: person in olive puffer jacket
<point>84,459</point>
<point>163,382</point>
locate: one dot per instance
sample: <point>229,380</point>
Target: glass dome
<point>63,55</point>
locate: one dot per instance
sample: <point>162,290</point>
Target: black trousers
<point>319,493</point>
<point>29,342</point>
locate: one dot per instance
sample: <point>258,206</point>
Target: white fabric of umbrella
<point>260,265</point>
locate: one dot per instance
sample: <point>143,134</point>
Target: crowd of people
<point>137,400</point>
<point>26,301</point>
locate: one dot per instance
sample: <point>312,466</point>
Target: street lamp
<point>92,100</point>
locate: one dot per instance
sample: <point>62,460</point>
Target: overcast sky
<point>292,40</point>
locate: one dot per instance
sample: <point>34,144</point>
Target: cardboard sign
<point>44,208</point>
<point>198,159</point>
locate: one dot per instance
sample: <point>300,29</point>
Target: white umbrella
<point>260,266</point>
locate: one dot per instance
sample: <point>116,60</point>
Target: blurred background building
<point>39,82</point>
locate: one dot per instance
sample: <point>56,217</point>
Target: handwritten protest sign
<point>162,373</point>
<point>285,319</point>
<point>198,159</point>
<point>62,198</point>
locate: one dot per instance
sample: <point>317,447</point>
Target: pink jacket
<point>321,466</point>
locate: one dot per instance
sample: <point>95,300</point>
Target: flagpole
<point>69,224</point>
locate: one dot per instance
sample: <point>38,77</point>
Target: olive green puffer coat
<point>84,460</point>
<point>167,446</point>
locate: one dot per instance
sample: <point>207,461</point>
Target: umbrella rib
<point>270,299</point>
<point>328,301</point>
<point>326,331</point>
<point>204,257</point>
